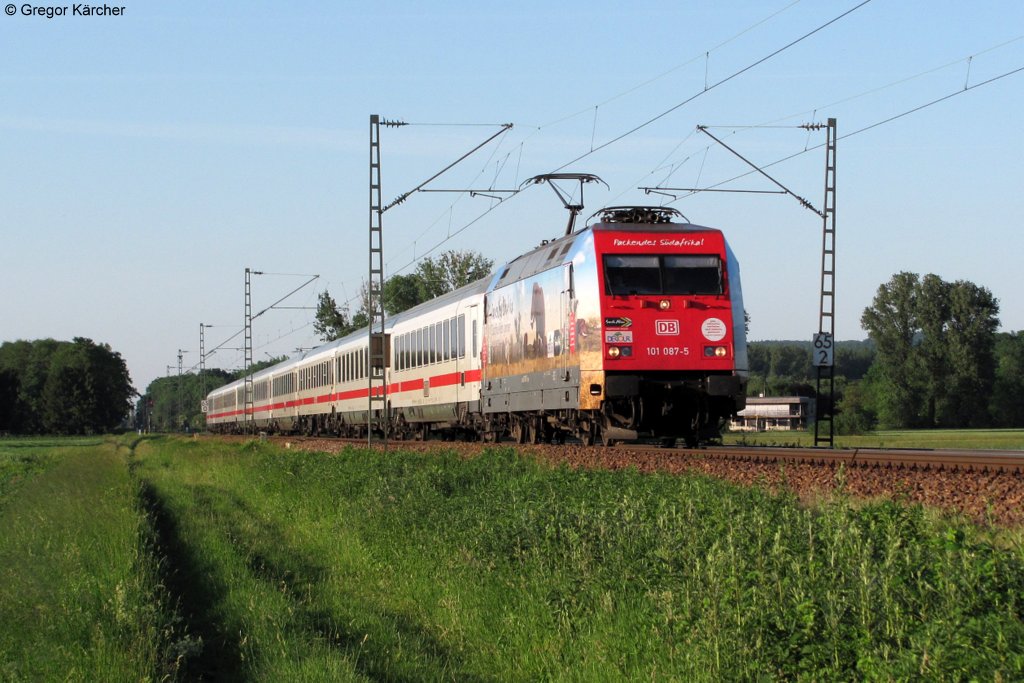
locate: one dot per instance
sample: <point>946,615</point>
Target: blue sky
<point>146,160</point>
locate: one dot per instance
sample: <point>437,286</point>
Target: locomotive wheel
<point>519,432</point>
<point>534,432</point>
<point>587,435</point>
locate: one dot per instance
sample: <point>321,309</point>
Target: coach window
<point>453,334</point>
<point>446,342</point>
<point>462,336</point>
<point>438,354</point>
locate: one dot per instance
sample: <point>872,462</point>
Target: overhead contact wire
<point>715,85</point>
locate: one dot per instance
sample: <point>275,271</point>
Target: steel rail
<point>971,460</point>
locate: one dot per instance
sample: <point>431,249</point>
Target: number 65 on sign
<point>824,350</point>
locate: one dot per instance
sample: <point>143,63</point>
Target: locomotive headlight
<point>664,304</point>
<point>613,352</point>
<point>715,352</point>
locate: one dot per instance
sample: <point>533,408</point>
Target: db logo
<point>666,328</point>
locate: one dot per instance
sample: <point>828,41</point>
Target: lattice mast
<point>248,406</point>
<point>376,376</point>
<point>826,317</point>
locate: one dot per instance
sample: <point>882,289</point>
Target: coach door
<point>567,321</point>
<point>470,332</point>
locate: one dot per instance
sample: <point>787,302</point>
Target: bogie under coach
<point>630,328</point>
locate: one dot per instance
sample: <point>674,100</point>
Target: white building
<point>775,413</point>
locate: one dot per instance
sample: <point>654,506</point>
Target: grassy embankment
<point>80,594</point>
<point>968,439</point>
<point>361,565</point>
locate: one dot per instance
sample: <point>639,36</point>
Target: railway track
<point>940,460</point>
<point>918,459</point>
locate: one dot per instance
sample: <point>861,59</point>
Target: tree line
<point>61,387</point>
<point>933,359</point>
<point>174,403</point>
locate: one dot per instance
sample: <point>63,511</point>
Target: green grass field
<point>182,559</point>
<point>969,439</point>
<point>80,595</point>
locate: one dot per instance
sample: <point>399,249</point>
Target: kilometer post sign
<point>824,350</point>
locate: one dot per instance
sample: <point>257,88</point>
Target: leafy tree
<point>970,354</point>
<point>1007,407</point>
<point>932,316</point>
<point>451,270</point>
<point>855,412</point>
<point>936,354</point>
<point>76,387</point>
<point>174,403</point>
<point>790,360</point>
<point>891,322</point>
<point>854,359</point>
<point>402,292</point>
<point>432,278</point>
<point>332,322</point>
<point>10,406</point>
<point>67,396</point>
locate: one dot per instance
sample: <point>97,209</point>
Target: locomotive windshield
<point>626,274</point>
